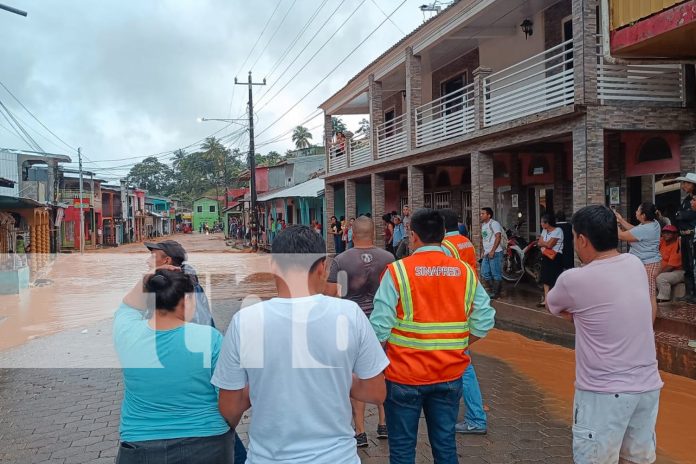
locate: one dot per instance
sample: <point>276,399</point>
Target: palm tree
<point>301,136</point>
<point>337,125</point>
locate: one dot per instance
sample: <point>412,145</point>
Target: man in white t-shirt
<point>298,359</point>
<point>491,252</point>
<point>617,384</point>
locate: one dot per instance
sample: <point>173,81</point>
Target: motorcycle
<point>521,257</point>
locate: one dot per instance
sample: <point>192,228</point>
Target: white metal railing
<point>360,150</point>
<point>391,137</point>
<point>658,83</point>
<point>449,116</point>
<point>539,83</point>
<point>337,157</point>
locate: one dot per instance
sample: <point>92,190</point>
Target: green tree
<point>337,125</point>
<point>152,175</point>
<point>301,137</point>
<point>364,127</point>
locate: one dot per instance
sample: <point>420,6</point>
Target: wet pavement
<point>71,415</point>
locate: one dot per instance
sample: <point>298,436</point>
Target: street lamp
<point>236,121</point>
<point>13,10</point>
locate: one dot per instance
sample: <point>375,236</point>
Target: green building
<point>205,211</point>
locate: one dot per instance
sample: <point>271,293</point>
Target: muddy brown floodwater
<point>552,369</point>
<point>83,289</point>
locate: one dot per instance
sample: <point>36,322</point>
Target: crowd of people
<point>373,327</point>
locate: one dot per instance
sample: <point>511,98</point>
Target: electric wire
<point>335,67</point>
<point>286,52</point>
<point>303,67</point>
<point>282,21</point>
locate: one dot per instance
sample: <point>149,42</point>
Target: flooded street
<point>83,289</point>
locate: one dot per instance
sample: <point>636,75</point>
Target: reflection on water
<point>82,289</point>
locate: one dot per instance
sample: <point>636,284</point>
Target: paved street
<point>71,415</point>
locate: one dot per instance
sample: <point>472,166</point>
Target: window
<point>389,124</point>
<point>442,200</point>
<point>199,209</point>
<point>428,200</point>
<point>452,85</point>
<point>212,208</point>
<point>567,35</point>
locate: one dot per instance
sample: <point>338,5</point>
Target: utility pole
<point>13,10</point>
<point>252,157</point>
<point>82,214</point>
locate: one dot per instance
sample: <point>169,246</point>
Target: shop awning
<point>310,189</point>
<point>18,203</point>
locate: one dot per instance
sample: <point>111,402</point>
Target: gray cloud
<point>126,78</point>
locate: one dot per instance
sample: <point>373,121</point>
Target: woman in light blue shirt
<point>170,409</point>
<point>645,243</point>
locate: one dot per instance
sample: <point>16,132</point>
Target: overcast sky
<point>127,78</point>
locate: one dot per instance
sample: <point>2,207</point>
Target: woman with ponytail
<point>170,409</point>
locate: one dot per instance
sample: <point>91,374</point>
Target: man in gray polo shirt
<point>355,275</point>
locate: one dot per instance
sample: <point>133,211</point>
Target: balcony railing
<point>337,157</point>
<point>449,116</point>
<point>391,137</point>
<point>360,150</point>
<point>661,84</point>
<point>540,83</point>
<point>72,194</point>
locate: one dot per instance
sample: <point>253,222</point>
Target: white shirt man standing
<point>298,359</point>
<point>617,384</point>
<point>491,252</point>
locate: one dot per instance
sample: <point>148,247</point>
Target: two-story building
<point>509,104</point>
<point>112,215</point>
<point>90,208</point>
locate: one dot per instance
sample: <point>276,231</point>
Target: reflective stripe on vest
<point>445,329</point>
<point>453,249</point>
<point>404,290</point>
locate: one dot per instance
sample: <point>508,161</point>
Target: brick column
<point>413,94</point>
<point>688,152</point>
<point>585,50</point>
<point>482,195</point>
<point>328,138</point>
<point>328,212</point>
<point>374,95</point>
<point>479,97</point>
<point>416,188</point>
<point>351,206</point>
<point>377,188</point>
<point>588,164</point>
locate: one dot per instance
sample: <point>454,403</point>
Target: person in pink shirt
<point>617,384</point>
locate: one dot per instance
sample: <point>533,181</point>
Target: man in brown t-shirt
<point>355,275</point>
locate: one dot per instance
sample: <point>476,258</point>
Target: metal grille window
<point>442,199</point>
<point>466,209</point>
<point>428,200</point>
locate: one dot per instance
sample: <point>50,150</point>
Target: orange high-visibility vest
<point>427,343</point>
<point>462,249</point>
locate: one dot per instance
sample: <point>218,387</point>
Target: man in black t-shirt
<point>355,275</point>
<point>686,222</point>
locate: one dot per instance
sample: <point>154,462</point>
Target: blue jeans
<point>473,401</point>
<point>492,268</point>
<point>220,449</point>
<point>440,405</point>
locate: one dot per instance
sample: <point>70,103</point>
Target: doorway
<point>540,202</point>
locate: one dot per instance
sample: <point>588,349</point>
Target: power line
<point>35,118</point>
<point>313,115</point>
<point>335,67</point>
<point>25,135</point>
<point>285,53</point>
<point>259,38</point>
<point>302,68</point>
<point>385,14</point>
<point>274,34</point>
